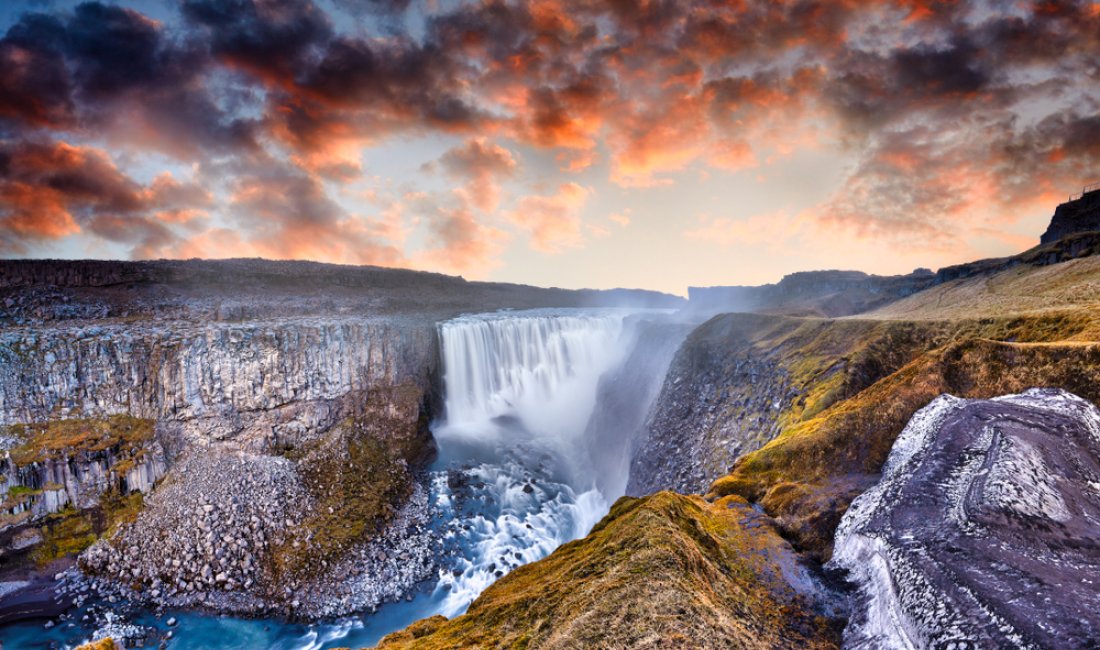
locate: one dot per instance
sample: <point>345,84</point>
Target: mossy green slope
<point>664,571</point>
<point>829,452</point>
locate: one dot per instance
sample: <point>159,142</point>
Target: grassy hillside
<point>1019,290</point>
<point>664,571</point>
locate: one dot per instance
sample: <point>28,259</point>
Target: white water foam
<point>520,389</point>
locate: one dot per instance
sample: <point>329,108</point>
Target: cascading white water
<point>519,391</point>
<point>533,366</point>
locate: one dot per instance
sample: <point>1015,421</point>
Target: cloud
<point>50,190</point>
<point>773,230</point>
<point>270,39</point>
<point>480,164</point>
<point>289,215</point>
<point>622,218</point>
<point>553,221</point>
<point>108,68</point>
<point>457,241</point>
<point>947,111</point>
<point>35,84</point>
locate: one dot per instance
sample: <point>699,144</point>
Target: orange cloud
<point>621,218</point>
<point>290,216</point>
<point>480,163</point>
<point>51,190</point>
<point>553,221</point>
<point>457,241</point>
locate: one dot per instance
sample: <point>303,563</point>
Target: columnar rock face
<point>260,411</point>
<point>77,480</point>
<point>217,380</point>
<point>984,531</point>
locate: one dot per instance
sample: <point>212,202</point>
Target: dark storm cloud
<point>86,70</point>
<point>273,39</point>
<point>35,84</point>
<point>377,7</point>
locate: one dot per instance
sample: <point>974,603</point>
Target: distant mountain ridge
<point>1074,232</point>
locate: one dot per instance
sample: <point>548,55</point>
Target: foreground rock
<point>665,571</point>
<point>985,529</point>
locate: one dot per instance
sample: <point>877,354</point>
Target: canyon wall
<point>330,410</point>
<point>720,398</point>
<point>262,381</point>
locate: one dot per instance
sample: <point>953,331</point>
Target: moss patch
<point>61,438</point>
<point>69,531</point>
<point>664,571</point>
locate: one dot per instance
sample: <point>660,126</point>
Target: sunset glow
<point>566,143</point>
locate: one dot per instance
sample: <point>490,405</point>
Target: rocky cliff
<point>262,416</point>
<point>720,398</point>
<point>983,529</point>
<point>1078,215</point>
<point>212,381</point>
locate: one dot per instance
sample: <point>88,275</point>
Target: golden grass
<point>1020,290</point>
<point>664,571</point>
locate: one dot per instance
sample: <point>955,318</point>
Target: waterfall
<point>518,482</point>
<point>538,369</point>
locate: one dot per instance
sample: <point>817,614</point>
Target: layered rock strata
<point>983,531</point>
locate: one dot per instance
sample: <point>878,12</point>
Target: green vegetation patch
<point>69,531</point>
<point>60,438</point>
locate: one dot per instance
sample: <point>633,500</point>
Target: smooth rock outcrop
<point>984,531</point>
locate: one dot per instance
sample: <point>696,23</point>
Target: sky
<point>572,143</point>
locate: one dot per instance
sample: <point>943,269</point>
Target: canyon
<point>336,452</point>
